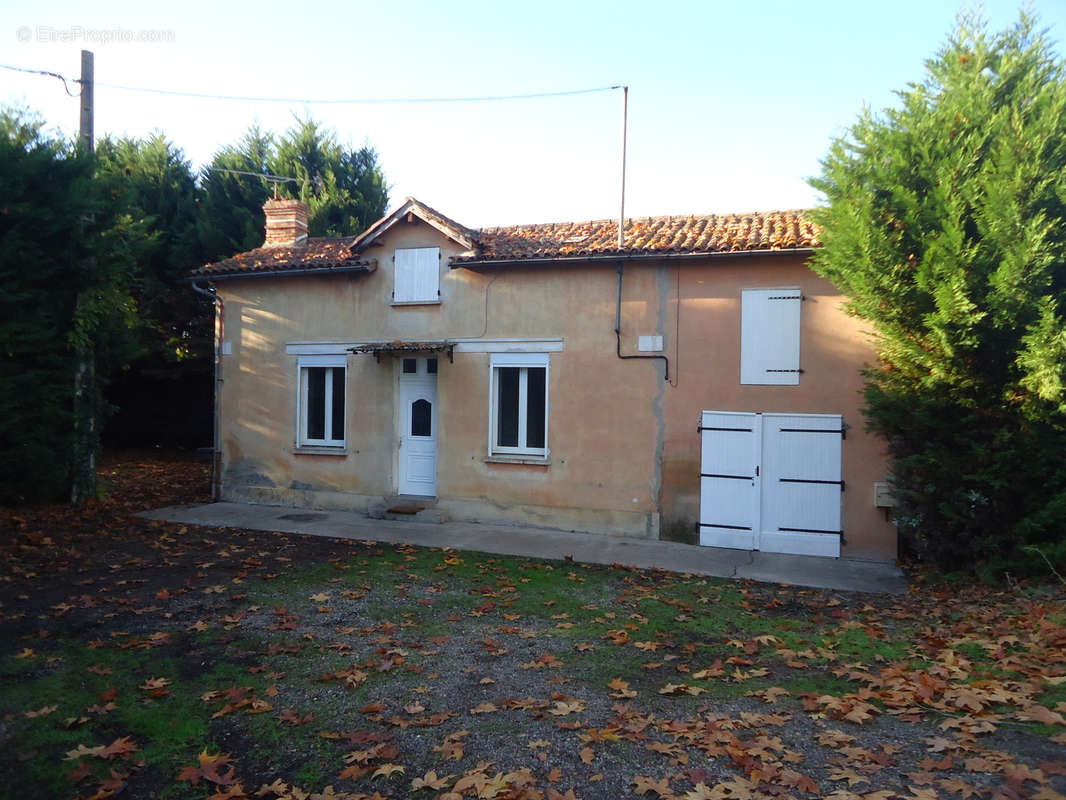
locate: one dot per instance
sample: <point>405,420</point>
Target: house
<point>698,383</point>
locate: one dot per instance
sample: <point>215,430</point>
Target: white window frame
<point>767,357</point>
<point>406,291</point>
<point>303,405</point>
<point>523,361</point>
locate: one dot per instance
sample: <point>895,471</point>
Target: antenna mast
<point>622,210</point>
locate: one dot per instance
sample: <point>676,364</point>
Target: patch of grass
<point>169,732</point>
<point>975,653</point>
<point>312,773</point>
<point>547,590</point>
<point>607,662</point>
<point>818,682</point>
<point>160,728</point>
<point>857,645</point>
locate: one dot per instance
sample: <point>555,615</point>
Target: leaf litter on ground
<point>141,657</point>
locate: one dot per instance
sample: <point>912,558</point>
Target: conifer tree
<point>945,227</point>
<point>344,188</point>
<point>61,239</point>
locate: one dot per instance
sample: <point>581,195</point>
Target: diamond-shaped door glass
<point>421,418</point>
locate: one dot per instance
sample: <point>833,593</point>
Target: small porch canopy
<point>377,349</point>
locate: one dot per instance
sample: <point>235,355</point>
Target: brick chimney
<point>286,223</point>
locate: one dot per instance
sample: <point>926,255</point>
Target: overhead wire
<point>47,73</point>
<point>319,101</point>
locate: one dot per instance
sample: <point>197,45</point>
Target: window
<point>421,418</point>
<point>770,336</point>
<point>417,275</point>
<point>519,404</point>
<point>321,401</point>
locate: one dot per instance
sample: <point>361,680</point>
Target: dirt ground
<point>147,659</point>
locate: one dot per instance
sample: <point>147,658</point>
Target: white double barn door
<point>771,482</point>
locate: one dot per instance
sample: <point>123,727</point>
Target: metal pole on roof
<point>622,211</point>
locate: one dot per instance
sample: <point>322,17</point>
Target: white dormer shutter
<point>770,336</point>
<point>417,275</point>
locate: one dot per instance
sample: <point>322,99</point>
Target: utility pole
<point>83,474</point>
<point>85,131</point>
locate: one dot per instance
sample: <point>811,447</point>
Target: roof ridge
<point>612,220</point>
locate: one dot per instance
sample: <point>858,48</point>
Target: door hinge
<point>842,431</point>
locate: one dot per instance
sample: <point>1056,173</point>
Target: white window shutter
<point>403,288</point>
<point>427,273</point>
<point>417,277</point>
<point>770,336</point>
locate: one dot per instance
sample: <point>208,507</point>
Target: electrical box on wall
<point>883,495</point>
<point>650,344</point>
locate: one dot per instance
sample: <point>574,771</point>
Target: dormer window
<point>417,275</point>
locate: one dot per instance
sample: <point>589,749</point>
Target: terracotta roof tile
<point>709,233</point>
<point>712,233</point>
<point>321,253</point>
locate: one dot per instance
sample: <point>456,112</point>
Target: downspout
<point>216,443</point>
<point>618,328</point>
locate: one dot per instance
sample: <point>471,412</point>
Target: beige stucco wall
<point>833,349</point>
<point>623,441</point>
<point>602,474</point>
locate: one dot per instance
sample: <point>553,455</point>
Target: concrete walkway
<point>829,573</point>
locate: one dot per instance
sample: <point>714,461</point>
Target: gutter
<point>272,273</point>
<point>216,437</point>
<point>616,257</point>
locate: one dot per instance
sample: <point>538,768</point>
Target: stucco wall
<point>603,473</point>
<point>624,449</point>
<point>833,349</point>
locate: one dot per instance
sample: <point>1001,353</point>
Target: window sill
<point>311,450</point>
<point>416,302</point>
<point>536,461</point>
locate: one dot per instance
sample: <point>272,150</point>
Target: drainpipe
<point>216,443</point>
<point>618,328</point>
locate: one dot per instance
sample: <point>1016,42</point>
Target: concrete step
<point>407,511</point>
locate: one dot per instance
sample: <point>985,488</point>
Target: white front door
<point>418,427</point>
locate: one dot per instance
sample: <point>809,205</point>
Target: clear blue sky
<point>731,104</point>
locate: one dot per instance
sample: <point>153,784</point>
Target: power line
<point>326,101</point>
<point>357,100</point>
<point>47,73</point>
